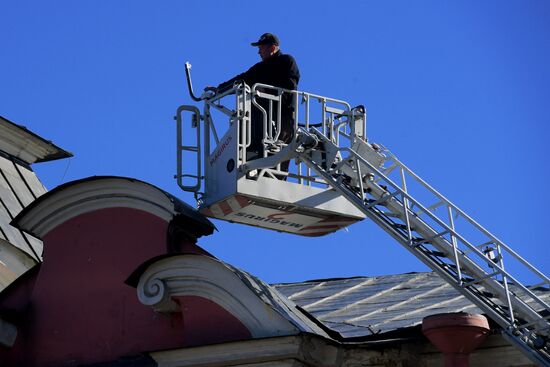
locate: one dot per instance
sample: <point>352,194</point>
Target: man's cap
<point>267,39</point>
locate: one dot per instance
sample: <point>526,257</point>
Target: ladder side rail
<point>445,274</point>
<point>279,115</point>
<point>453,241</point>
<point>505,282</point>
<point>323,115</point>
<point>473,268</point>
<point>494,285</point>
<point>206,140</point>
<point>363,134</point>
<point>243,121</point>
<point>246,114</point>
<point>523,338</point>
<point>480,276</point>
<point>398,189</point>
<point>299,165</point>
<point>406,209</point>
<point>269,131</point>
<point>402,192</point>
<point>450,230</point>
<point>534,355</point>
<point>181,148</point>
<point>501,268</point>
<point>305,97</point>
<point>472,221</point>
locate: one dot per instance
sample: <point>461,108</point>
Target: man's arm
<point>222,87</point>
<point>248,77</point>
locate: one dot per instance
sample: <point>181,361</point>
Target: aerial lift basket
<point>295,200</point>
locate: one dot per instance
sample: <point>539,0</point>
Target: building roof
<point>263,310</point>
<point>19,142</point>
<point>19,186</point>
<point>73,198</point>
<point>364,306</point>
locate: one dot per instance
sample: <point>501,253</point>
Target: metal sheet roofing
<point>19,186</point>
<point>363,306</point>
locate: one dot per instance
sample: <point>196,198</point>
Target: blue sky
<point>458,90</point>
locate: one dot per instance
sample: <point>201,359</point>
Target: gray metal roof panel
<point>16,183</point>
<point>33,183</point>
<point>18,188</point>
<point>12,234</point>
<point>362,306</point>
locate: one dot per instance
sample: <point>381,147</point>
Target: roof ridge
<point>346,278</point>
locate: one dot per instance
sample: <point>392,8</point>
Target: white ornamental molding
<point>203,276</point>
<point>92,194</point>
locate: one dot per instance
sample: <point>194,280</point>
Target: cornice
<point>94,193</point>
<point>19,142</point>
<point>260,308</point>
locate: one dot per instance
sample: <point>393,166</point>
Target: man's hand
<point>209,92</point>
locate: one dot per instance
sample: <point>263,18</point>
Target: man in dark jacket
<point>276,69</point>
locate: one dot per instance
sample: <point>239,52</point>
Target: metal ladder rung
<point>400,226</point>
<point>430,239</point>
<point>465,278</point>
<point>452,266</point>
<point>189,148</point>
<point>488,294</point>
<point>390,214</point>
<point>188,175</point>
<point>436,253</point>
<point>476,281</point>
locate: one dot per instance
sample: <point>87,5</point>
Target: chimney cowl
<point>456,335</point>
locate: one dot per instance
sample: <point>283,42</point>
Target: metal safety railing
<point>336,118</point>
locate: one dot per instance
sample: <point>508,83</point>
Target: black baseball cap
<point>267,39</point>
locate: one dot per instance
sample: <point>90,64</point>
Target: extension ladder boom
<point>337,156</point>
<point>361,173</point>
